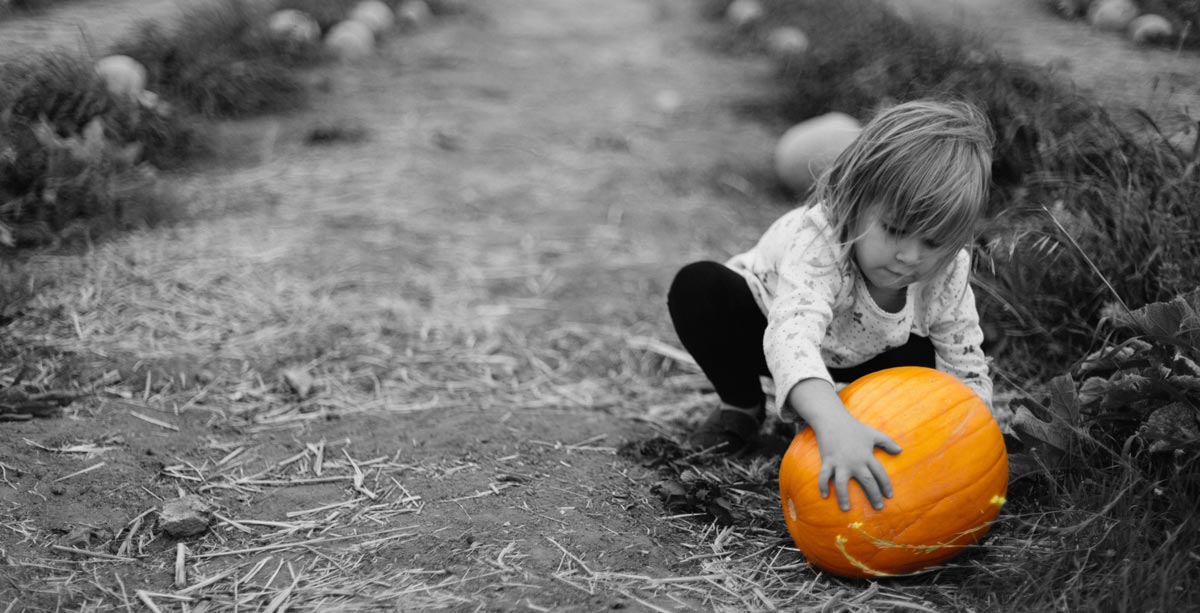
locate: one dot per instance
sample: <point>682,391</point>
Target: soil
<point>452,329</point>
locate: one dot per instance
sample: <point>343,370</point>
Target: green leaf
<point>1036,446</point>
<point>1125,389</point>
<point>1185,365</point>
<point>1166,320</point>
<point>1185,383</point>
<point>1092,391</point>
<point>1115,357</point>
<point>1064,404</point>
<point>1051,438</point>
<point>1161,318</point>
<point>1171,427</point>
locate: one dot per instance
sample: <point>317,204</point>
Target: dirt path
<point>1120,74</point>
<point>87,26</point>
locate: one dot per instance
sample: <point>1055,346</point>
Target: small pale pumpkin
<point>948,482</point>
<point>414,14</point>
<point>293,27</point>
<point>787,43</point>
<point>806,149</point>
<point>375,15</point>
<point>122,75</point>
<point>350,40</point>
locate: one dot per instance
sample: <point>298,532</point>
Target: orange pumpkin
<point>948,483</point>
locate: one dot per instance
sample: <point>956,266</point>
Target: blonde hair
<point>926,164</point>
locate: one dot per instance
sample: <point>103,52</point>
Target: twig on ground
<point>80,472</point>
<point>157,422</point>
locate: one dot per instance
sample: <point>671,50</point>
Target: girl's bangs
<point>943,223</point>
<point>941,206</point>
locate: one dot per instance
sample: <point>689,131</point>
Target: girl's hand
<point>847,449</point>
<point>847,446</point>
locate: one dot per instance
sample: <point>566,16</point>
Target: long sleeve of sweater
<point>953,327</point>
<point>811,281</point>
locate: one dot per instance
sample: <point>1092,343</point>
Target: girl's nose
<point>909,251</point>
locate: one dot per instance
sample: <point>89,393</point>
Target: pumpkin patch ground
<point>427,367</point>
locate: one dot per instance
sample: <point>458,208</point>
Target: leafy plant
<point>89,182</point>
<point>1136,398</point>
<point>219,61</point>
<point>1146,391</point>
<point>1122,199</point>
<point>70,156</point>
<point>1107,467</point>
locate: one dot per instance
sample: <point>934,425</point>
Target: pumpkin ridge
<point>958,438</point>
<point>933,465</point>
<point>883,543</point>
<point>963,539</point>
<point>839,541</point>
<point>996,461</point>
<point>927,511</point>
<point>956,403</point>
<point>935,458</point>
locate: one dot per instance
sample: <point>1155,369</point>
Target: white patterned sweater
<point>819,312</point>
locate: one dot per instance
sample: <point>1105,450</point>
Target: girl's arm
<point>955,332</point>
<point>847,446</point>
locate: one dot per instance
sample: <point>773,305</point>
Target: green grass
<point>1094,540</point>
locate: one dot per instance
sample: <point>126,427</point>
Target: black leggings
<point>720,324</point>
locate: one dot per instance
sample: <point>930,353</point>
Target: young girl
<point>873,274</point>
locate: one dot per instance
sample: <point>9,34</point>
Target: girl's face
<point>890,257</point>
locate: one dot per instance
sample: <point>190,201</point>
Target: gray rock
<point>184,517</point>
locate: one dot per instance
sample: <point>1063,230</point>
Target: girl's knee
<point>696,279</point>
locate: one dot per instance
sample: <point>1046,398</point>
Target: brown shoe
<point>727,430</point>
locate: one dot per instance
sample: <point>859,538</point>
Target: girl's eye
<point>932,244</point>
<point>893,230</point>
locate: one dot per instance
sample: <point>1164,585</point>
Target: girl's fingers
<point>870,487</point>
<point>881,477</point>
<point>841,483</point>
<point>886,443</point>
<point>823,477</point>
